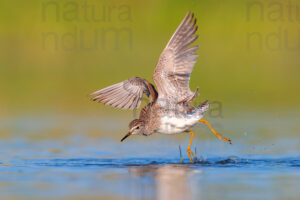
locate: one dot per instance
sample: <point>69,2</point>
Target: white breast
<point>177,124</point>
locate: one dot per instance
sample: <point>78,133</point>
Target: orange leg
<point>216,134</point>
<point>189,151</point>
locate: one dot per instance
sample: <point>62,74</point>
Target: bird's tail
<point>203,107</point>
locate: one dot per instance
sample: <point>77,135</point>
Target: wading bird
<point>169,110</point>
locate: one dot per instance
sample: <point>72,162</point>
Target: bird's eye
<point>137,127</point>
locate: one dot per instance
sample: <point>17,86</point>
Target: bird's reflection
<point>168,181</point>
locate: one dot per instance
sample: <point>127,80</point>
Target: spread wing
<point>127,94</point>
<point>176,62</point>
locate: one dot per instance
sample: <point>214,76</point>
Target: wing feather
<point>126,95</point>
<point>176,62</point>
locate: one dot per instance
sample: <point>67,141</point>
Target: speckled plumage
<point>169,103</point>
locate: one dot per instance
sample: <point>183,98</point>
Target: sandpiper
<point>169,110</point>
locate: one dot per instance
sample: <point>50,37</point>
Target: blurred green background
<point>54,53</point>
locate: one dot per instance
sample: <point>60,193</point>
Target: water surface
<point>66,157</point>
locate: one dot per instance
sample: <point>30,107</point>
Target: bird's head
<point>136,127</point>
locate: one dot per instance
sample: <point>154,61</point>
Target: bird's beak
<point>127,135</point>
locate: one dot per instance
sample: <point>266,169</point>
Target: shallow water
<point>152,178</point>
<point>41,160</point>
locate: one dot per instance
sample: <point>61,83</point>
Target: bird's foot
<point>222,137</point>
<point>218,135</point>
<point>189,152</point>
